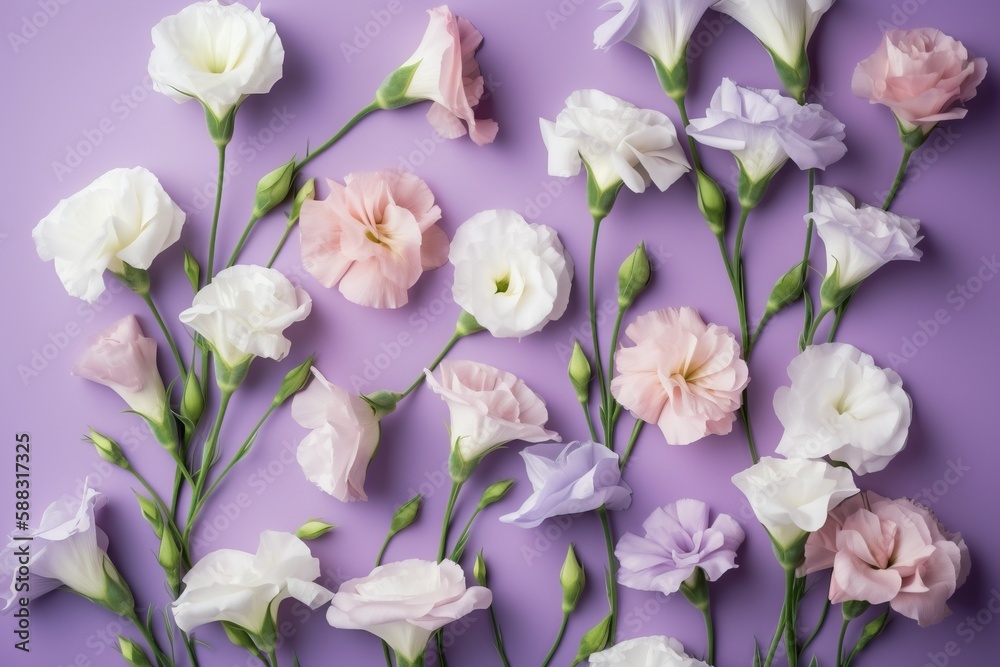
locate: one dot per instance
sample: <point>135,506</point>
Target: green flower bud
<point>117,596</point>
<point>872,630</point>
<point>151,513</point>
<point>193,399</point>
<point>391,94</point>
<point>467,325</point>
<point>169,558</point>
<point>192,270</point>
<point>313,529</point>
<point>832,293</point>
<point>572,578</point>
<point>596,639</point>
<point>695,589</point>
<point>851,609</point>
<point>133,654</point>
<point>383,402</point>
<point>294,381</point>
<point>786,291</point>
<point>479,570</point>
<point>580,373</point>
<point>495,492</point>
<point>306,192</point>
<point>406,514</point>
<point>633,276</point>
<point>273,189</point>
<point>712,203</point>
<point>107,449</point>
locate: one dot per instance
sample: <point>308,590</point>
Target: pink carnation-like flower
<point>923,75</point>
<point>375,235</point>
<point>896,552</point>
<point>683,375</point>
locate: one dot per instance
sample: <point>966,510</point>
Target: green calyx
<point>391,94</point>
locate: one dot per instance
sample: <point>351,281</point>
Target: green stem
<point>171,523</point>
<point>819,625</point>
<point>456,487</point>
<point>161,658</point>
<point>811,335</point>
<point>636,430</point>
<point>281,244</point>
<point>779,630</point>
<point>838,315</point>
<point>207,456</point>
<point>900,174</point>
<point>616,332</point>
<point>840,642</point>
<point>590,421</point>
<point>387,653</point>
<point>680,101</point>
<point>189,647</point>
<point>215,215</point>
<point>558,641</point>
<point>166,333</point>
<point>739,272</point>
<point>609,542</point>
<point>710,633</point>
<point>332,140</point>
<point>243,239</point>
<point>791,639</point>
<point>498,638</point>
<point>464,535</point>
<point>434,364</point>
<point>272,657</point>
<point>595,337</point>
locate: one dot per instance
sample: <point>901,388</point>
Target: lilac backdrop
<point>76,84</point>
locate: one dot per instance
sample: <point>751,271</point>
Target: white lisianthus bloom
<point>217,54</point>
<point>404,603</point>
<point>123,217</point>
<point>792,497</point>
<point>244,311</point>
<point>512,276</point>
<point>619,142</point>
<point>646,652</point>
<point>860,239</point>
<point>842,405</point>
<point>239,587</point>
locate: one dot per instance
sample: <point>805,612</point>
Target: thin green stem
<point>166,511</point>
<point>558,641</point>
<point>634,438</point>
<point>779,630</point>
<point>434,364</point>
<point>272,657</point>
<point>840,642</point>
<point>590,420</point>
<point>609,542</point>
<point>332,140</point>
<point>189,647</point>
<point>166,333</point>
<point>378,561</point>
<point>281,244</point>
<point>900,174</point>
<point>161,658</point>
<point>498,638</point>
<point>616,332</point>
<point>685,121</point>
<point>819,625</point>
<point>595,337</point>
<point>215,215</point>
<point>464,535</point>
<point>744,413</point>
<point>387,653</point>
<point>456,487</point>
<point>838,315</point>
<point>709,632</point>
<point>207,457</point>
<point>243,239</point>
<point>791,639</point>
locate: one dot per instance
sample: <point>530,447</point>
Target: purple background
<point>79,84</point>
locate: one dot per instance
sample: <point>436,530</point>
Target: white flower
<point>860,240</point>
<point>618,141</point>
<point>646,652</point>
<point>513,277</point>
<point>843,406</point>
<point>792,497</point>
<point>784,27</point>
<point>217,54</point>
<point>661,28</point>
<point>244,311</point>
<point>124,217</point>
<point>763,129</point>
<point>343,438</point>
<point>67,549</point>
<point>404,603</point>
<point>239,587</point>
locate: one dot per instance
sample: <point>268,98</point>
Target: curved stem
<point>692,144</point>
<point>161,658</point>
<point>243,239</point>
<point>272,657</point>
<point>590,420</point>
<point>166,333</point>
<point>840,642</point>
<point>189,647</point>
<point>710,633</point>
<point>745,420</point>
<point>281,244</point>
<point>498,638</point>
<point>595,337</point>
<point>168,515</point>
<point>207,456</point>
<point>332,140</point>
<point>609,541</point>
<point>464,535</point>
<point>900,174</point>
<point>807,251</point>
<point>616,332</point>
<point>838,315</point>
<point>819,625</point>
<point>434,364</point>
<point>779,630</point>
<point>636,430</point>
<point>456,487</point>
<point>558,641</point>
<point>215,215</point>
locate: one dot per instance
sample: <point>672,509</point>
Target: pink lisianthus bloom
<point>375,235</point>
<point>922,75</point>
<point>683,375</point>
<point>896,552</point>
<point>123,359</point>
<point>444,71</point>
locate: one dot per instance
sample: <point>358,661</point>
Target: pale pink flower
<point>683,375</point>
<point>895,552</point>
<point>375,235</point>
<point>344,434</point>
<point>123,359</point>
<point>922,75</point>
<point>446,73</point>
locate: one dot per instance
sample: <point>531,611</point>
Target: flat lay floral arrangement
<point>850,557</point>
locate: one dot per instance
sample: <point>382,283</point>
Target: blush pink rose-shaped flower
<point>683,375</point>
<point>344,434</point>
<point>646,652</point>
<point>445,71</point>
<point>123,217</point>
<point>512,276</point>
<point>679,540</point>
<point>404,603</point>
<point>841,405</point>
<point>569,479</point>
<point>124,360</point>
<point>488,408</point>
<point>375,235</point>
<point>821,547</point>
<point>897,552</point>
<point>922,75</point>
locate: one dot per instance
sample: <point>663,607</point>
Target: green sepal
<point>673,80</point>
<point>872,630</point>
<point>711,203</point>
<point>221,129</point>
<point>751,192</point>
<point>795,78</point>
<point>467,325</point>
<point>600,202</point>
<point>273,189</point>
<point>596,639</point>
<point>786,291</point>
<point>294,381</point>
<point>633,276</point>
<point>405,515</point>
<point>391,93</point>
<point>135,279</point>
<point>851,609</point>
<point>192,270</point>
<point>383,403</point>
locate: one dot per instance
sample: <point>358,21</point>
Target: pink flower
<point>344,434</point>
<point>444,70</point>
<point>682,374</point>
<point>896,552</point>
<point>375,235</point>
<point>125,360</point>
<point>923,75</point>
